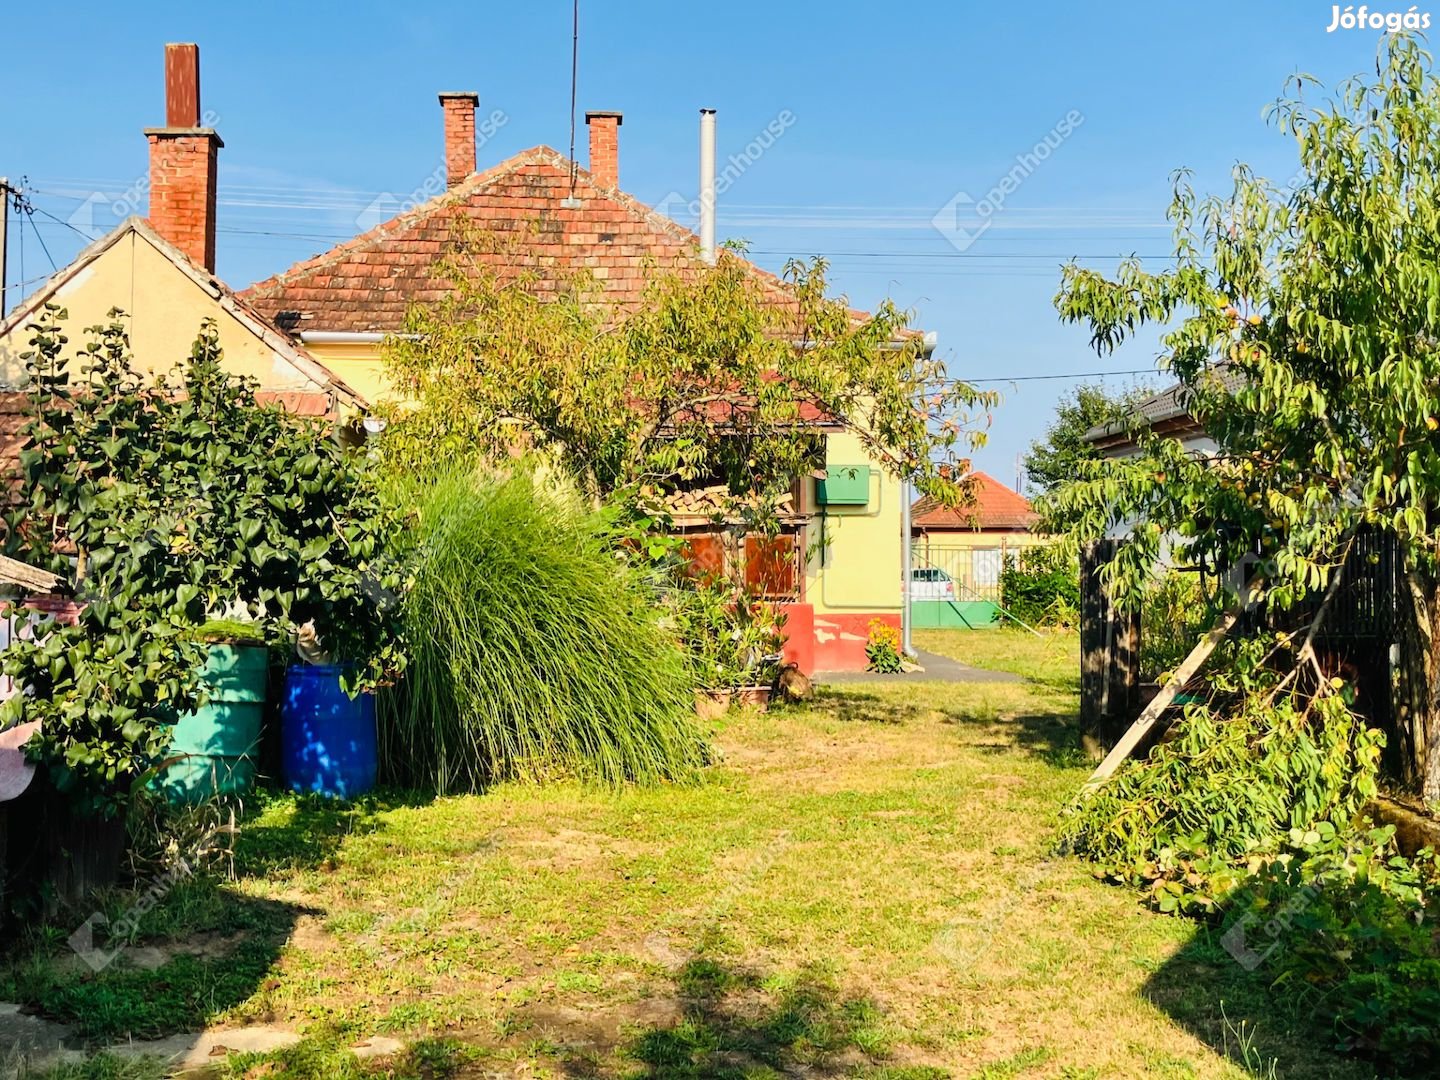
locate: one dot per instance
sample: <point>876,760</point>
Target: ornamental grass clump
<point>536,651</point>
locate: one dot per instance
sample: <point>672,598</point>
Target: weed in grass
<point>1240,1043</point>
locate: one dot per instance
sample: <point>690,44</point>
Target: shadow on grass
<point>173,953</point>
<point>736,1023</point>
<point>863,707</point>
<point>1315,982</point>
<point>151,982</point>
<point>1054,737</point>
<point>307,831</point>
<point>807,1024</point>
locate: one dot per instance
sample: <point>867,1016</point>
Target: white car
<point>928,583</point>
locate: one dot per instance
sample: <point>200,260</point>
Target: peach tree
<point>1302,324</point>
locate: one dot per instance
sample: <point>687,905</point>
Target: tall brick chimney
<point>182,162</point>
<point>459,109</point>
<point>605,147</point>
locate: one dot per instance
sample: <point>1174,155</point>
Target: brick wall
<point>182,191</point>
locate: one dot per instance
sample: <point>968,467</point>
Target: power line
<point>60,221</point>
<point>1067,375</point>
<point>964,255</point>
<point>23,203</point>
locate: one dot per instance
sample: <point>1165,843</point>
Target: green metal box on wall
<point>844,485</point>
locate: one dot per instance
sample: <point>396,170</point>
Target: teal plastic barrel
<point>218,743</point>
<point>327,738</point>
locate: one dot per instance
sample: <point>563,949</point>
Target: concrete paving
<point>33,1044</point>
<point>30,1043</point>
<point>936,668</point>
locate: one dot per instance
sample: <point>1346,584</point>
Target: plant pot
<point>711,704</point>
<point>757,697</point>
<point>218,744</point>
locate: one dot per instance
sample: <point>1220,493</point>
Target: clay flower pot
<point>711,704</point>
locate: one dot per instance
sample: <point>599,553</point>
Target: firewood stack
<point>714,502</point>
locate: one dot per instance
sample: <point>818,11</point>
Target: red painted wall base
<point>799,646</point>
<point>840,638</point>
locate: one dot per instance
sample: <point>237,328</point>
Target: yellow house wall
<point>859,569</point>
<point>164,307</point>
<point>358,365</point>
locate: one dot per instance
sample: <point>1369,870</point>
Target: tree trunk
<point>1416,687</point>
<point>1427,732</point>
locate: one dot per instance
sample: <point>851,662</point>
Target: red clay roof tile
<point>995,507</point>
<point>366,284</point>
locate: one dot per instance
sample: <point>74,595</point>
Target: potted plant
<point>733,641</point>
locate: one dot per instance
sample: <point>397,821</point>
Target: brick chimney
<point>459,109</point>
<point>182,162</point>
<point>605,147</point>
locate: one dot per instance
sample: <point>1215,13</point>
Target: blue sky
<point>896,108</point>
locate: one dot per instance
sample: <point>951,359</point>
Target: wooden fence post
<point>1109,651</point>
<point>1123,700</point>
<point>1094,636</point>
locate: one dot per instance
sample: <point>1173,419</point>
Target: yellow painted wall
<point>164,307</point>
<point>358,365</point>
<point>859,569</point>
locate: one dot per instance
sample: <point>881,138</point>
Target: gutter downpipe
<point>907,496</point>
<point>906,646</point>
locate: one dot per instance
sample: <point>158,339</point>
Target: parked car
<point>929,583</point>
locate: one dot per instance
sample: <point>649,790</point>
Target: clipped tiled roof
<point>288,353</point>
<point>995,506</point>
<point>365,285</point>
<point>1167,412</point>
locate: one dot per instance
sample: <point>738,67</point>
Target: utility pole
<point>4,220</point>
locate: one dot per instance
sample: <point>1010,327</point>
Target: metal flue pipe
<point>707,185</point>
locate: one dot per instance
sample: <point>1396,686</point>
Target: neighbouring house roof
<point>366,284</point>
<point>329,386</point>
<point>994,506</point>
<point>1166,413</point>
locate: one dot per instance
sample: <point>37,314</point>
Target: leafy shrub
<point>1227,788</point>
<point>1345,923</point>
<point>1041,587</point>
<point>730,637</point>
<point>1173,615</point>
<point>535,649</point>
<point>1251,821</point>
<point>162,502</point>
<point>882,648</point>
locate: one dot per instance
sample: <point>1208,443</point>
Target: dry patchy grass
<point>862,888</point>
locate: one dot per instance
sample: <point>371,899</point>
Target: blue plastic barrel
<point>327,738</point>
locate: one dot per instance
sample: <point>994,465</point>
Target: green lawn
<point>863,888</point>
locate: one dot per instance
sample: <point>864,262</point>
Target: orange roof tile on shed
<point>995,506</point>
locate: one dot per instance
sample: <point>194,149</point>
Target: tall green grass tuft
<point>535,650</point>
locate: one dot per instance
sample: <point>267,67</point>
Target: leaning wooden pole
<point>1147,719</point>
